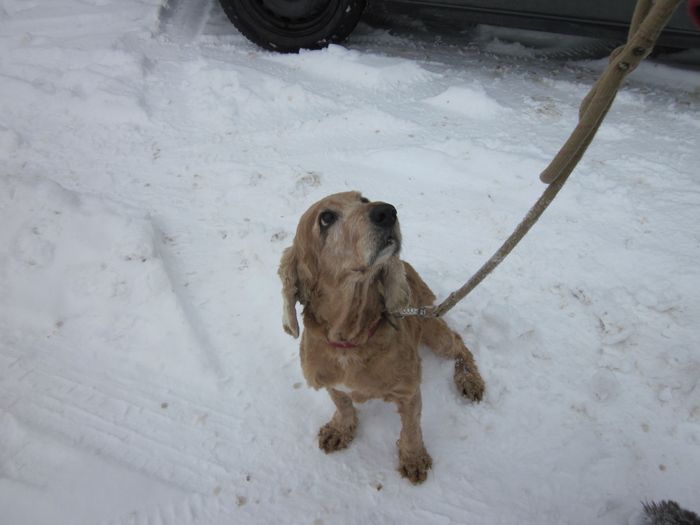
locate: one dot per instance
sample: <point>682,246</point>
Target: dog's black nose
<point>383,215</point>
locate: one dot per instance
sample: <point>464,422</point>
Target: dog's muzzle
<point>388,239</point>
<point>383,215</point>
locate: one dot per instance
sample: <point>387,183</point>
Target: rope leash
<point>648,20</point>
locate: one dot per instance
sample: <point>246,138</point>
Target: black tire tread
<point>350,13</point>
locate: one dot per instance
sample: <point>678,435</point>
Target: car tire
<point>287,26</point>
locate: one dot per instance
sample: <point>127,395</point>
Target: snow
<point>153,167</point>
<point>471,103</point>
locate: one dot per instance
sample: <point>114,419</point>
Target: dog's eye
<point>364,200</point>
<point>327,218</point>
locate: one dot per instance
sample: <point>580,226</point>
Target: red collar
<point>372,331</point>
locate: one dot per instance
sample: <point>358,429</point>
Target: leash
<point>648,20</point>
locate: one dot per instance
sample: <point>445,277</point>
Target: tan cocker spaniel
<point>344,268</point>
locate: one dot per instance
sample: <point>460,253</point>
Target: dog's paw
<point>332,437</point>
<point>468,381</point>
<point>414,466</point>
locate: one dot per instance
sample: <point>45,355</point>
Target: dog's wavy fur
<point>349,278</point>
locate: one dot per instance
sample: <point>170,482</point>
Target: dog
<point>668,512</point>
<point>344,269</point>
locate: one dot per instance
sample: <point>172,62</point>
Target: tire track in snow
<point>181,513</point>
<point>115,421</point>
<point>188,309</point>
<point>76,20</point>
<point>125,446</point>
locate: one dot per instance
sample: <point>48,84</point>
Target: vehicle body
<point>288,25</point>
<point>598,18</point>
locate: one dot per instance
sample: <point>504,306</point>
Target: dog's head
<point>343,241</point>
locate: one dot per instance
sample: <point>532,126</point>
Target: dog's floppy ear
<point>290,291</point>
<point>396,290</point>
<point>298,270</point>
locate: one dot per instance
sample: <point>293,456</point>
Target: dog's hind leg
<point>340,430</point>
<point>445,342</point>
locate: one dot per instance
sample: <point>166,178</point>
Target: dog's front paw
<point>468,381</point>
<point>414,465</point>
<point>332,437</point>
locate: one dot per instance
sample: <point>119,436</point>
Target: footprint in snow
<point>31,248</point>
<point>604,386</point>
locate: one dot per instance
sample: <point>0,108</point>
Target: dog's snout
<point>383,215</point>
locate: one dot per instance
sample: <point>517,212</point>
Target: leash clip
<point>417,311</point>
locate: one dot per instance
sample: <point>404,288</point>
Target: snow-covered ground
<point>153,165</point>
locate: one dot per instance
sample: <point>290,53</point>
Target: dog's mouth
<point>387,247</point>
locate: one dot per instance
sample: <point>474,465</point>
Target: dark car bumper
<point>600,18</point>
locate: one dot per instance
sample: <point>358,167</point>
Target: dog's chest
<point>348,366</point>
<point>361,379</point>
<point>369,372</point>
<point>358,391</point>
<point>341,387</point>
